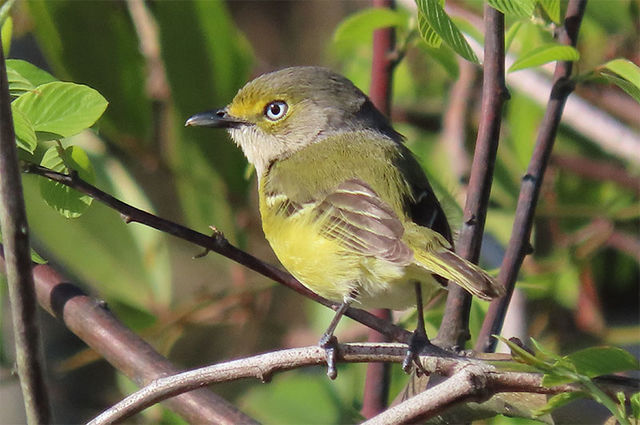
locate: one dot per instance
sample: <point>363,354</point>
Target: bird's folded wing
<point>355,215</point>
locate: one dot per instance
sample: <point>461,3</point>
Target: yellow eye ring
<point>276,110</point>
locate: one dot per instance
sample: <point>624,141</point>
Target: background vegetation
<point>578,289</point>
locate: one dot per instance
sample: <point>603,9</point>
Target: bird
<point>344,203</point>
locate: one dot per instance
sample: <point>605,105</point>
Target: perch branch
<point>15,237</point>
<point>473,379</point>
<point>532,181</point>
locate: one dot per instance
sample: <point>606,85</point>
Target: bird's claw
<point>330,345</point>
<point>417,343</point>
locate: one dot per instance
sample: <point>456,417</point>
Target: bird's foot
<point>417,344</point>
<point>330,345</point>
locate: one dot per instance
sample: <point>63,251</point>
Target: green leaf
<point>6,32</point>
<point>548,355</point>
<point>511,34</point>
<point>428,34</point>
<point>68,202</point>
<point>444,27</point>
<point>596,361</point>
<point>517,8</point>
<point>521,355</point>
<point>553,9</point>
<point>635,405</point>
<point>36,258</point>
<point>559,400</point>
<point>18,85</point>
<point>25,134</point>
<point>4,12</point>
<point>360,25</point>
<point>545,54</point>
<point>629,74</point>
<point>558,377</point>
<point>26,74</point>
<point>61,109</point>
<point>625,69</point>
<point>625,85</point>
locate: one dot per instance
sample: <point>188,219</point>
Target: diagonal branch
<point>532,181</point>
<point>216,243</point>
<point>92,322</point>
<point>455,323</point>
<point>15,237</point>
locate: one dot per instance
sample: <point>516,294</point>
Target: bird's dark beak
<point>216,119</point>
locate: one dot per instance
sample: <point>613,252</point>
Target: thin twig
<point>218,244</point>
<point>532,181</point>
<point>455,323</point>
<point>376,389</point>
<point>15,235</point>
<point>92,322</point>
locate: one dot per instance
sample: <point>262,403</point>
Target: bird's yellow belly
<point>328,269</point>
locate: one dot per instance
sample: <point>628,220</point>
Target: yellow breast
<point>327,268</point>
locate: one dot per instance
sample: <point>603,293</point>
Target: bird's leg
<point>330,342</point>
<point>419,339</point>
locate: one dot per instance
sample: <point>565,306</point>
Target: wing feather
<point>356,216</point>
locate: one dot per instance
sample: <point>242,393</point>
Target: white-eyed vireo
<point>344,204</point>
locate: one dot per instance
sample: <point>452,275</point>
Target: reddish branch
<point>15,237</point>
<point>376,389</point>
<point>216,243</point>
<point>532,181</point>
<point>454,330</point>
<point>92,322</point>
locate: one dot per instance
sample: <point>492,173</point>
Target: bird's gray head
<point>280,112</point>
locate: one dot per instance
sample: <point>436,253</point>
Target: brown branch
<point>216,243</point>
<point>455,323</point>
<point>376,389</point>
<point>485,380</point>
<point>261,367</point>
<point>92,322</point>
<point>532,181</point>
<point>15,236</point>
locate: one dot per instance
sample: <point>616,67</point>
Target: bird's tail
<point>436,257</point>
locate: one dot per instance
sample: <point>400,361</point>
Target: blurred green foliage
<point>202,311</point>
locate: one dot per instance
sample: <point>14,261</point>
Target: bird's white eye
<point>276,110</point>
